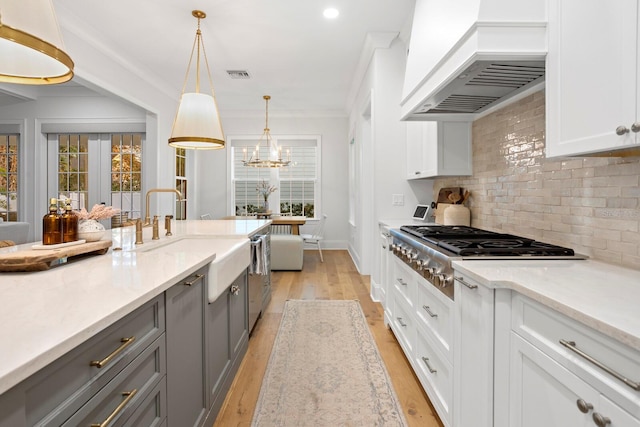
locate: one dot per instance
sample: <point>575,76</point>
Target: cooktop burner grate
<point>513,246</point>
<point>474,242</point>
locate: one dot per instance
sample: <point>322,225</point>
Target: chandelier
<point>274,153</point>
<point>31,44</point>
<point>197,124</point>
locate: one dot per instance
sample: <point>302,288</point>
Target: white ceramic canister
<point>457,215</point>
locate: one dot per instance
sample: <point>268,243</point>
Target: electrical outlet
<point>398,200</point>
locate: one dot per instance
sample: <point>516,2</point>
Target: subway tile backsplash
<point>590,204</point>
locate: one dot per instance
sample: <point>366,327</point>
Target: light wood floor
<point>336,278</point>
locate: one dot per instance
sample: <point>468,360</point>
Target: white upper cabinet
<point>438,149</point>
<point>592,77</point>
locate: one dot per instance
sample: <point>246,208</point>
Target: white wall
<point>383,85</point>
<point>212,171</point>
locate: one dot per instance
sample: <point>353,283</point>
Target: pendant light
<point>31,44</point>
<point>197,124</point>
<point>274,153</point>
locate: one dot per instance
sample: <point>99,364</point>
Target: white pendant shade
<point>197,124</point>
<point>31,45</point>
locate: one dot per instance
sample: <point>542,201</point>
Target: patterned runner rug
<point>325,370</point>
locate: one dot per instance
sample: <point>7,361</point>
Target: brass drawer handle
<point>125,343</point>
<point>194,281</point>
<point>571,345</point>
<point>129,395</point>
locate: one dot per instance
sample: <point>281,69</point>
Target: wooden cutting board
<point>43,259</point>
<point>443,194</point>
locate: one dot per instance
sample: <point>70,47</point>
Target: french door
<point>90,169</point>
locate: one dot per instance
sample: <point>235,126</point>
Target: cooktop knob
<point>443,280</point>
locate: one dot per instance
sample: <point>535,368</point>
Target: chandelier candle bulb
<point>273,151</point>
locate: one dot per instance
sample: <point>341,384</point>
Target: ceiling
<point>306,62</point>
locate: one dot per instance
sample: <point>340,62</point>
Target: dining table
<point>292,221</point>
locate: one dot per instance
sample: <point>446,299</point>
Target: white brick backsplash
<point>590,204</point>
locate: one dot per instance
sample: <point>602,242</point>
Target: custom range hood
<point>469,56</point>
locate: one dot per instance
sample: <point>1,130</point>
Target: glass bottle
<point>52,225</point>
<point>69,224</point>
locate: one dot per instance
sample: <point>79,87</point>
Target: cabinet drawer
<point>404,281</point>
<point>403,325</point>
<point>60,389</point>
<point>153,410</point>
<point>121,397</point>
<point>573,344</point>
<point>435,374</point>
<point>434,313</point>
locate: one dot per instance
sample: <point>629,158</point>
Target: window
<point>9,177</point>
<point>91,168</point>
<point>298,185</point>
<point>181,182</point>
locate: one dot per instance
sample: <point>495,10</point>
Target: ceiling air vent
<point>238,74</point>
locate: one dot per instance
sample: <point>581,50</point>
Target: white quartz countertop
<point>397,223</point>
<point>602,296</point>
<point>45,314</point>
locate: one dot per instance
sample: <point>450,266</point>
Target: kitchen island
<point>45,315</point>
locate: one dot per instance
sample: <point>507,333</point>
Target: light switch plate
<point>398,200</point>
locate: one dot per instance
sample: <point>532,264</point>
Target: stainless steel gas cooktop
<point>474,242</point>
<point>430,249</point>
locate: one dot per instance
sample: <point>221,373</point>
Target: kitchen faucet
<point>147,218</point>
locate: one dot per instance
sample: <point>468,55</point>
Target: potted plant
<point>265,190</point>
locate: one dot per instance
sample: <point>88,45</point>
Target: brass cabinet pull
<point>125,343</point>
<point>467,284</point>
<point>571,345</point>
<point>426,362</point>
<point>129,395</point>
<point>194,281</point>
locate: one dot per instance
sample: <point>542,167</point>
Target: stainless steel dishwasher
<point>259,276</point>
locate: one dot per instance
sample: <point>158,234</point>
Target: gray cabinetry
<point>78,381</point>
<point>187,404</point>
<point>227,338</point>
<point>168,363</point>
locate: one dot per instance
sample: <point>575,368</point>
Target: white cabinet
<point>380,287</point>
<point>544,393</point>
<point>438,149</point>
<point>592,77</point>
<point>565,374</point>
<point>423,324</point>
<point>473,375</point>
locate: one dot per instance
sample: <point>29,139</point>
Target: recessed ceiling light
<point>331,13</point>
